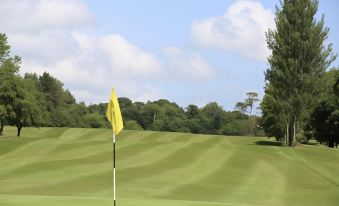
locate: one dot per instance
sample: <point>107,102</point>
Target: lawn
<point>73,167</point>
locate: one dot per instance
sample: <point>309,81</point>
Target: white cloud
<point>97,63</point>
<point>47,46</point>
<point>150,93</point>
<point>49,36</point>
<point>126,58</point>
<point>184,65</point>
<point>241,30</point>
<point>132,89</point>
<point>36,15</point>
<point>89,96</point>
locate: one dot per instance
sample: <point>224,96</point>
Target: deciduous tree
<point>299,58</point>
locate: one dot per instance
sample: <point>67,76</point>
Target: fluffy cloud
<point>46,46</point>
<point>126,58</point>
<point>191,66</point>
<point>49,35</point>
<point>241,30</point>
<point>94,64</point>
<point>37,15</point>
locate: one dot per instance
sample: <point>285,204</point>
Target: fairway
<point>73,167</point>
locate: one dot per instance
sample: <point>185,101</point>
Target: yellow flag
<point>113,113</point>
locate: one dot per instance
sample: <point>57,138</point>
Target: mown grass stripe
<point>178,158</point>
<point>188,169</point>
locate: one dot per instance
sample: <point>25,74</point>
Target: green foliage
<point>322,124</point>
<point>332,127</point>
<point>4,48</point>
<point>336,85</point>
<point>241,107</point>
<point>252,98</point>
<point>93,120</point>
<point>163,115</point>
<point>194,125</point>
<point>248,127</point>
<point>272,115</point>
<point>132,125</point>
<point>231,128</point>
<point>299,59</point>
<point>192,111</point>
<point>24,107</point>
<point>18,106</point>
<point>2,111</point>
<point>319,118</point>
<point>34,100</point>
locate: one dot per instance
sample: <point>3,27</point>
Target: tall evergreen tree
<point>299,58</point>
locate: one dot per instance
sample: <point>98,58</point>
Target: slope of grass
<point>71,167</point>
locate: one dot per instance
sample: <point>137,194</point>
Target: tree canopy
<point>298,60</point>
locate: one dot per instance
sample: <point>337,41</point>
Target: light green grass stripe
<point>209,161</point>
<point>175,153</point>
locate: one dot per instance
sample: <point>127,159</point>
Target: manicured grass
<point>73,167</point>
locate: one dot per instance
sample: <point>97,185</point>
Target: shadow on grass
<point>267,143</point>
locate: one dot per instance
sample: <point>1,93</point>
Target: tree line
<point>35,100</point>
<point>163,115</point>
<point>301,94</point>
<point>301,99</point>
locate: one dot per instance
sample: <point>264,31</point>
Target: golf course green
<point>73,167</point>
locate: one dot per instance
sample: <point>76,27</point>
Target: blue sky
<point>190,52</point>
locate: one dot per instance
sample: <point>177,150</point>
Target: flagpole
<point>113,115</point>
<point>114,182</point>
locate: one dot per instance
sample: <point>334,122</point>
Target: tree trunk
<point>287,134</point>
<point>294,139</point>
<point>285,137</point>
<point>1,126</point>
<point>19,130</point>
<point>290,140</point>
<point>331,143</point>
